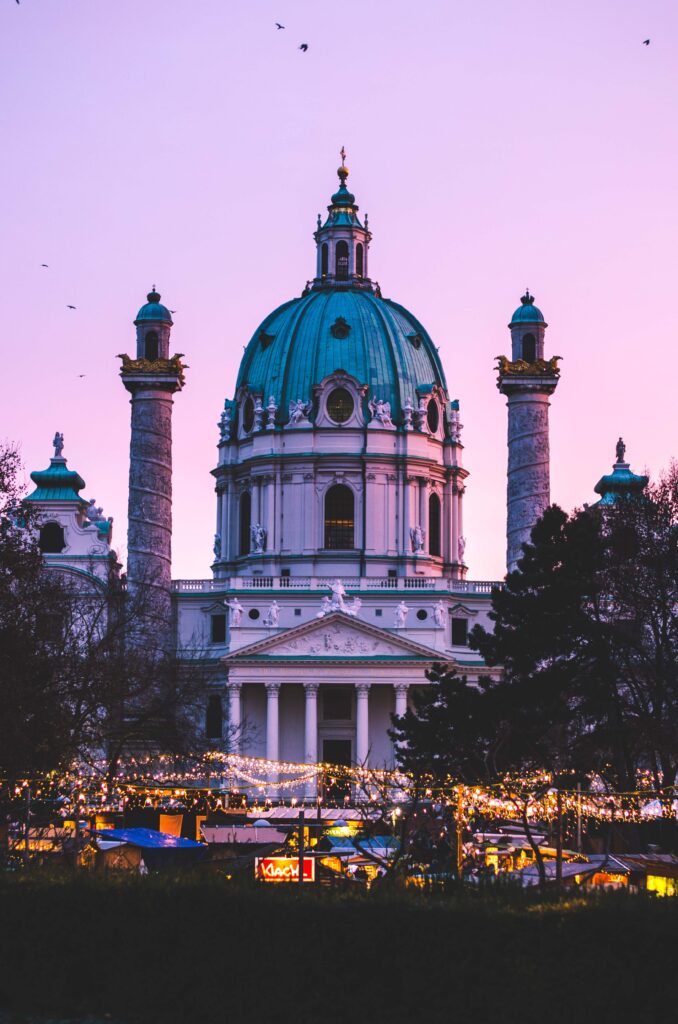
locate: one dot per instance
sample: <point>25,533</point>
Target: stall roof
<point>146,838</point>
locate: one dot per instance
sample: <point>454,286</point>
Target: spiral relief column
<point>528,381</point>
<point>151,378</point>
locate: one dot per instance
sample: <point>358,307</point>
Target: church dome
<point>153,309</point>
<point>375,340</point>
<point>527,312</point>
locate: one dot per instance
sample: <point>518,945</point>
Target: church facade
<point>340,571</point>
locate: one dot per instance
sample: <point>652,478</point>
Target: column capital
<point>311,689</point>
<point>234,688</point>
<point>401,689</point>
<point>272,688</point>
<point>363,689</point>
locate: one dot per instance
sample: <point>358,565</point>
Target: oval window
<point>248,415</point>
<point>432,416</point>
<point>340,405</point>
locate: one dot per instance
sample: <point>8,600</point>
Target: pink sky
<point>494,144</point>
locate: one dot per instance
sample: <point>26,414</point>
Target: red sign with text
<point>283,869</point>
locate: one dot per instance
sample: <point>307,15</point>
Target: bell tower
<point>528,380</point>
<point>151,378</point>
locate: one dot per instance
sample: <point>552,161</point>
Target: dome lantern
<point>342,241</point>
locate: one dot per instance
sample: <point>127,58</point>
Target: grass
<point>200,949</point>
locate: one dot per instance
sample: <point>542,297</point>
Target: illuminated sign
<point>283,869</point>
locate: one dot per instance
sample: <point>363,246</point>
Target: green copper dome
<point>375,340</point>
<point>56,483</point>
<point>153,309</point>
<point>527,312</point>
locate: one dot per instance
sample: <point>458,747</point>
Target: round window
<point>340,405</point>
<point>248,415</point>
<point>432,416</point>
<point>253,613</point>
<point>422,614</point>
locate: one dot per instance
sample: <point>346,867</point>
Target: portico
<point>327,685</point>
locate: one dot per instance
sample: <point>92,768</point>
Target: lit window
<point>434,525</point>
<point>339,518</point>
<point>340,405</point>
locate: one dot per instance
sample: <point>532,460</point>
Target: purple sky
<point>494,144</point>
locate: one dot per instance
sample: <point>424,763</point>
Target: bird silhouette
<point>172,310</point>
<point>45,265</point>
<point>646,42</point>
<point>304,47</point>
<point>278,25</point>
<point>71,307</point>
<point>82,375</point>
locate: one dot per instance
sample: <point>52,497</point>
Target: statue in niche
<point>461,548</point>
<point>272,616</point>
<point>224,423</point>
<point>401,611</point>
<point>417,538</point>
<point>216,547</point>
<point>439,614</point>
<point>380,412</point>
<point>235,610</point>
<point>58,443</point>
<point>258,535</point>
<point>456,426</point>
<point>271,410</point>
<point>299,411</point>
<point>408,409</point>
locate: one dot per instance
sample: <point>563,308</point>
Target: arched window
<point>151,345</point>
<point>434,525</point>
<point>342,260</point>
<point>52,539</point>
<point>324,260</point>
<point>432,416</point>
<point>213,718</point>
<point>245,521</point>
<point>339,518</point>
<point>359,259</point>
<point>529,348</point>
<point>248,415</point>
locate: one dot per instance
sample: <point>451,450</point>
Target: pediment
<point>335,636</point>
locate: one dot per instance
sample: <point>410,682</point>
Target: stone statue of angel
<point>354,607</point>
<point>299,410</point>
<point>338,602</point>
<point>439,614</point>
<point>272,616</point>
<point>93,511</point>
<point>380,411</point>
<point>461,548</point>
<point>325,607</point>
<point>216,547</point>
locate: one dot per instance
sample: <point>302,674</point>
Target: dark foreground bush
<point>201,950</point>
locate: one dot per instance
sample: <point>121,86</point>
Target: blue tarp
<point>146,838</point>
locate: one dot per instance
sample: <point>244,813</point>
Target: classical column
<point>311,724</point>
<point>272,731</point>
<point>401,699</point>
<point>362,736</point>
<point>234,717</point>
<point>270,513</point>
<point>423,510</point>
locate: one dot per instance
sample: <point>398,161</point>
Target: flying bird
<point>304,47</point>
<point>172,310</point>
<point>646,42</point>
<point>82,375</point>
<point>45,265</point>
<point>71,307</point>
<point>277,24</point>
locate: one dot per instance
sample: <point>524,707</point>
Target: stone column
<point>401,698</point>
<point>272,721</point>
<point>311,734</point>
<point>234,717</point>
<point>362,736</point>
<point>270,513</point>
<point>423,510</point>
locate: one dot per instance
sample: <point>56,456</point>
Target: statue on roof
<point>621,450</point>
<point>58,443</point>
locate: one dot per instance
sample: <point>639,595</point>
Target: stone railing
<point>323,583</point>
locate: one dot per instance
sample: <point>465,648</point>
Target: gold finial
<point>343,170</point>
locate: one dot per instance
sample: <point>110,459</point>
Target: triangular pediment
<point>337,635</point>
